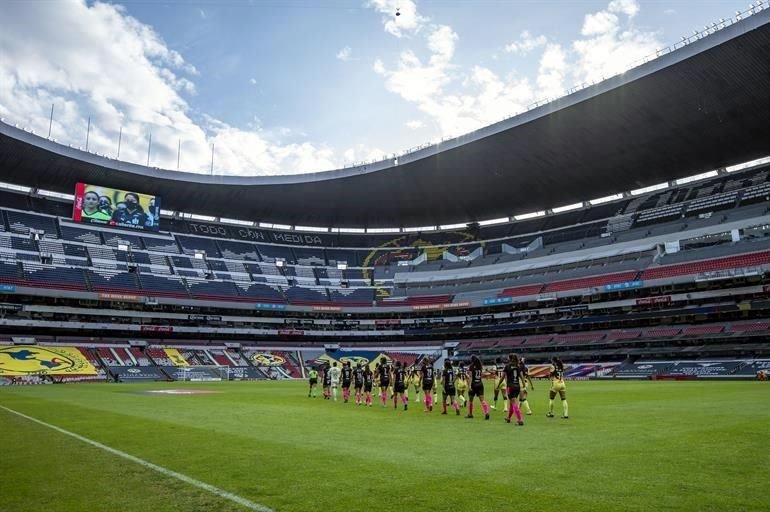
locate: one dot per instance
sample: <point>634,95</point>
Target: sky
<point>296,86</point>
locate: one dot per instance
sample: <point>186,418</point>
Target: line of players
<point>512,381</point>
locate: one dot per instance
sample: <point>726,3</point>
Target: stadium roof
<point>703,106</point>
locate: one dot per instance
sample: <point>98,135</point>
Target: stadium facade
<point>668,281</point>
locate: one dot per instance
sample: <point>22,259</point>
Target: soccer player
<point>358,382</point>
<point>327,382</point>
<point>427,379</point>
<point>513,378</point>
<point>414,378</point>
<point>335,379</point>
<point>477,387</point>
<point>347,377</point>
<point>399,385</point>
<point>461,384</point>
<point>313,380</point>
<point>526,380</point>
<point>557,386</point>
<point>383,379</point>
<point>368,384</point>
<point>500,383</point>
<point>448,385</point>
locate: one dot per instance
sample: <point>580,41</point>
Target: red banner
<point>327,308</point>
<point>118,297</point>
<point>156,328</point>
<point>452,305</point>
<point>651,301</point>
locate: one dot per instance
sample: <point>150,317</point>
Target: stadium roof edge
<point>558,153</point>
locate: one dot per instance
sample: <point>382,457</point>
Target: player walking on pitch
<point>513,378</point>
<point>477,387</point>
<point>399,385</point>
<point>448,387</point>
<point>557,386</point>
<point>334,373</point>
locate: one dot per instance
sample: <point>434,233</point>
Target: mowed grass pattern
<point>627,446</point>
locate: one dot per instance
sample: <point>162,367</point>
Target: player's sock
<point>497,393</point>
<point>368,398</point>
<point>470,408</point>
<point>418,397</point>
<point>334,391</point>
<point>404,399</point>
<point>395,401</point>
<point>384,398</point>
<point>566,408</point>
<point>510,413</point>
<point>485,406</point>
<point>443,406</point>
<point>525,404</point>
<point>456,406</point>
<point>516,411</point>
<point>550,406</point>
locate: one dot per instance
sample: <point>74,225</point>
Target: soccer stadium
<point>568,308</point>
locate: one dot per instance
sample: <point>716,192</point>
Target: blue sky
<point>291,86</point>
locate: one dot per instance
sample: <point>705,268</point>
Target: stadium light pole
<point>149,146</point>
<point>88,131</point>
<point>50,122</point>
<point>178,153</point>
<point>120,138</point>
<point>212,159</point>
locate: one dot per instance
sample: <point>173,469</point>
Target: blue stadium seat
<point>19,222</point>
<point>191,244</point>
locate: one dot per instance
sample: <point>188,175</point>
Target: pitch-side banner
<point>35,360</point>
<point>102,205</point>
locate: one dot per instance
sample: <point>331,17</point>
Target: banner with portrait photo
<point>112,207</point>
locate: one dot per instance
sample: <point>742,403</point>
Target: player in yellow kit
<point>557,386</point>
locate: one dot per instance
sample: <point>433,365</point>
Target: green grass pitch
<point>627,446</point>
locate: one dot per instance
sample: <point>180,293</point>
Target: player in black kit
<point>477,387</point>
<point>327,383</point>
<point>347,378</point>
<point>384,380</point>
<point>514,382</point>
<point>448,387</point>
<point>368,384</point>
<point>399,385</point>
<point>427,378</point>
<point>358,382</point>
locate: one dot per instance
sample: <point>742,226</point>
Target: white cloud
<point>415,124</point>
<point>253,81</point>
<point>526,43</point>
<point>552,72</point>
<point>407,22</point>
<point>362,153</point>
<point>344,54</point>
<point>118,71</point>
<point>613,43</point>
<point>457,100</point>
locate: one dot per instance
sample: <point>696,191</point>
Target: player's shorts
<point>367,388</point>
<point>558,387</point>
<point>335,383</point>
<point>345,384</point>
<point>450,391</point>
<point>399,388</point>
<point>427,387</point>
<point>513,392</point>
<point>313,382</point>
<point>358,385</point>
<point>462,387</point>
<point>500,386</point>
<point>476,389</point>
<point>327,383</point>
<point>384,383</point>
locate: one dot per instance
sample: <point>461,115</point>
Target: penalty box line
<point>173,474</point>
